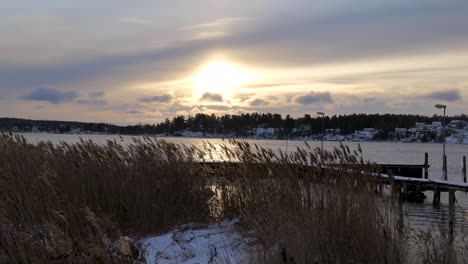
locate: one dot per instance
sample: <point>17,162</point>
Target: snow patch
<point>215,244</point>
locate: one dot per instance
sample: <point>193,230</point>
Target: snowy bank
<point>218,243</point>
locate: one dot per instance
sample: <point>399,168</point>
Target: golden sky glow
<point>222,77</point>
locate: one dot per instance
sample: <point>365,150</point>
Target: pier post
<point>396,189</point>
<point>404,192</point>
<point>401,218</point>
<point>464,169</point>
<point>418,194</point>
<point>445,168</point>
<point>426,165</point>
<point>451,212</point>
<point>436,199</point>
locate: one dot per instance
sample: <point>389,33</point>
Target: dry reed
<point>73,203</point>
<point>76,203</point>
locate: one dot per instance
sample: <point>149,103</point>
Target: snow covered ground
<point>218,243</point>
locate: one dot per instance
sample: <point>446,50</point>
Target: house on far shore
<point>367,134</point>
<point>401,131</point>
<point>436,124</point>
<point>457,124</point>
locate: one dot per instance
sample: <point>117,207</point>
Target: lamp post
<point>444,158</point>
<point>323,129</point>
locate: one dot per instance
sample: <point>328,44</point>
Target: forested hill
<point>27,125</point>
<point>228,124</point>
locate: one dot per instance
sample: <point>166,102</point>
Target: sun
<point>220,77</point>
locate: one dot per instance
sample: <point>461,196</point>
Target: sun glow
<point>220,77</point>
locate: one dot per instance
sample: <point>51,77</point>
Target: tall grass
<point>306,207</point>
<point>76,203</point>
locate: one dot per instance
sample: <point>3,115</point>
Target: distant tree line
<point>240,125</point>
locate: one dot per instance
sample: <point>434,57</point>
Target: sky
<point>128,62</point>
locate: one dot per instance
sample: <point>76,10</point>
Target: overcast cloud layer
<point>118,62</point>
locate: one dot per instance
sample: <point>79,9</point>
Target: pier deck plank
<point>428,184</point>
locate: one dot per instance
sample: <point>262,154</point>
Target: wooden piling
<point>451,212</point>
<point>436,199</point>
<point>404,192</point>
<point>426,165</point>
<point>401,219</point>
<point>445,168</point>
<point>418,194</point>
<point>464,169</point>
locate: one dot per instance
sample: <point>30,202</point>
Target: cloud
<point>313,97</point>
<point>122,67</point>
<point>156,99</point>
<point>217,107</point>
<point>38,107</point>
<point>178,107</point>
<point>96,94</point>
<point>449,95</point>
<point>308,39</point>
<point>91,101</point>
<point>94,98</point>
<point>211,30</point>
<point>369,99</point>
<point>217,23</point>
<point>243,96</point>
<point>211,97</point>
<point>138,21</point>
<point>50,95</point>
<point>133,111</point>
<point>278,84</point>
<point>210,34</point>
<point>258,102</point>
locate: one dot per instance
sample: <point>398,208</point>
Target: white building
<point>370,130</point>
<point>428,127</point>
<point>264,132</point>
<point>400,130</point>
<point>419,125</point>
<point>364,135</point>
<point>460,124</point>
<point>436,124</point>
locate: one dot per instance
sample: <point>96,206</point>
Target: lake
<point>379,152</point>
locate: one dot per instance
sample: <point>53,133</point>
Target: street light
<point>444,158</point>
<point>323,129</point>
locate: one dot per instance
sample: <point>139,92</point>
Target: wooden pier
<point>408,181</point>
<point>413,180</point>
